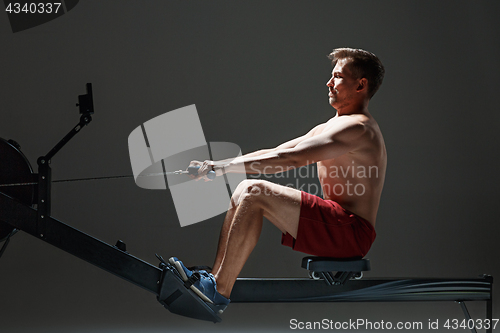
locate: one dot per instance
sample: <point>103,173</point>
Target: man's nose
<point>329,83</point>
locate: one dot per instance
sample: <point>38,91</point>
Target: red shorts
<point>328,230</point>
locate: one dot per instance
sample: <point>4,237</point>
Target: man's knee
<point>250,190</point>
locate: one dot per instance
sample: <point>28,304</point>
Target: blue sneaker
<point>205,288</point>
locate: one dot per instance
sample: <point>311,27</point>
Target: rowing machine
<point>18,212</point>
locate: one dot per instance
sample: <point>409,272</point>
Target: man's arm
<point>286,145</point>
<point>335,139</point>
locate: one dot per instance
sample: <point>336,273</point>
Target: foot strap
<point>192,280</point>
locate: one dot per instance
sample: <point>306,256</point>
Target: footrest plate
<point>178,299</point>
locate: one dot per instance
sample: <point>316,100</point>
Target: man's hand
<point>204,168</point>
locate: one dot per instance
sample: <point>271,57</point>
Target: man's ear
<point>362,85</point>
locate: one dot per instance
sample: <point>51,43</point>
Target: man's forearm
<point>268,161</point>
<point>253,154</point>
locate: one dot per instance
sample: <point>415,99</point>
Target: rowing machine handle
<point>193,170</point>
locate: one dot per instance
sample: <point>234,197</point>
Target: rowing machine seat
<point>327,264</point>
<point>323,268</point>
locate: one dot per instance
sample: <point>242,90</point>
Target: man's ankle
<point>224,293</point>
<point>221,289</point>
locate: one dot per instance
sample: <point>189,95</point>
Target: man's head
<point>362,64</point>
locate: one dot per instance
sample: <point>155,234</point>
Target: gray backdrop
<point>256,71</point>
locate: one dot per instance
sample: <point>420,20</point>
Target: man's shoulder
<point>347,123</point>
<point>347,127</point>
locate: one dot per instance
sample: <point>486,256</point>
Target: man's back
<point>355,179</point>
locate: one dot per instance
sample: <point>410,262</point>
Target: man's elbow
<point>289,159</point>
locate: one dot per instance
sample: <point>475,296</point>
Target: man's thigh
<point>281,205</point>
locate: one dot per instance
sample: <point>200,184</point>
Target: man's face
<point>342,86</point>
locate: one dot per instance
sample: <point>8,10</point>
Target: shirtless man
<point>351,159</point>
